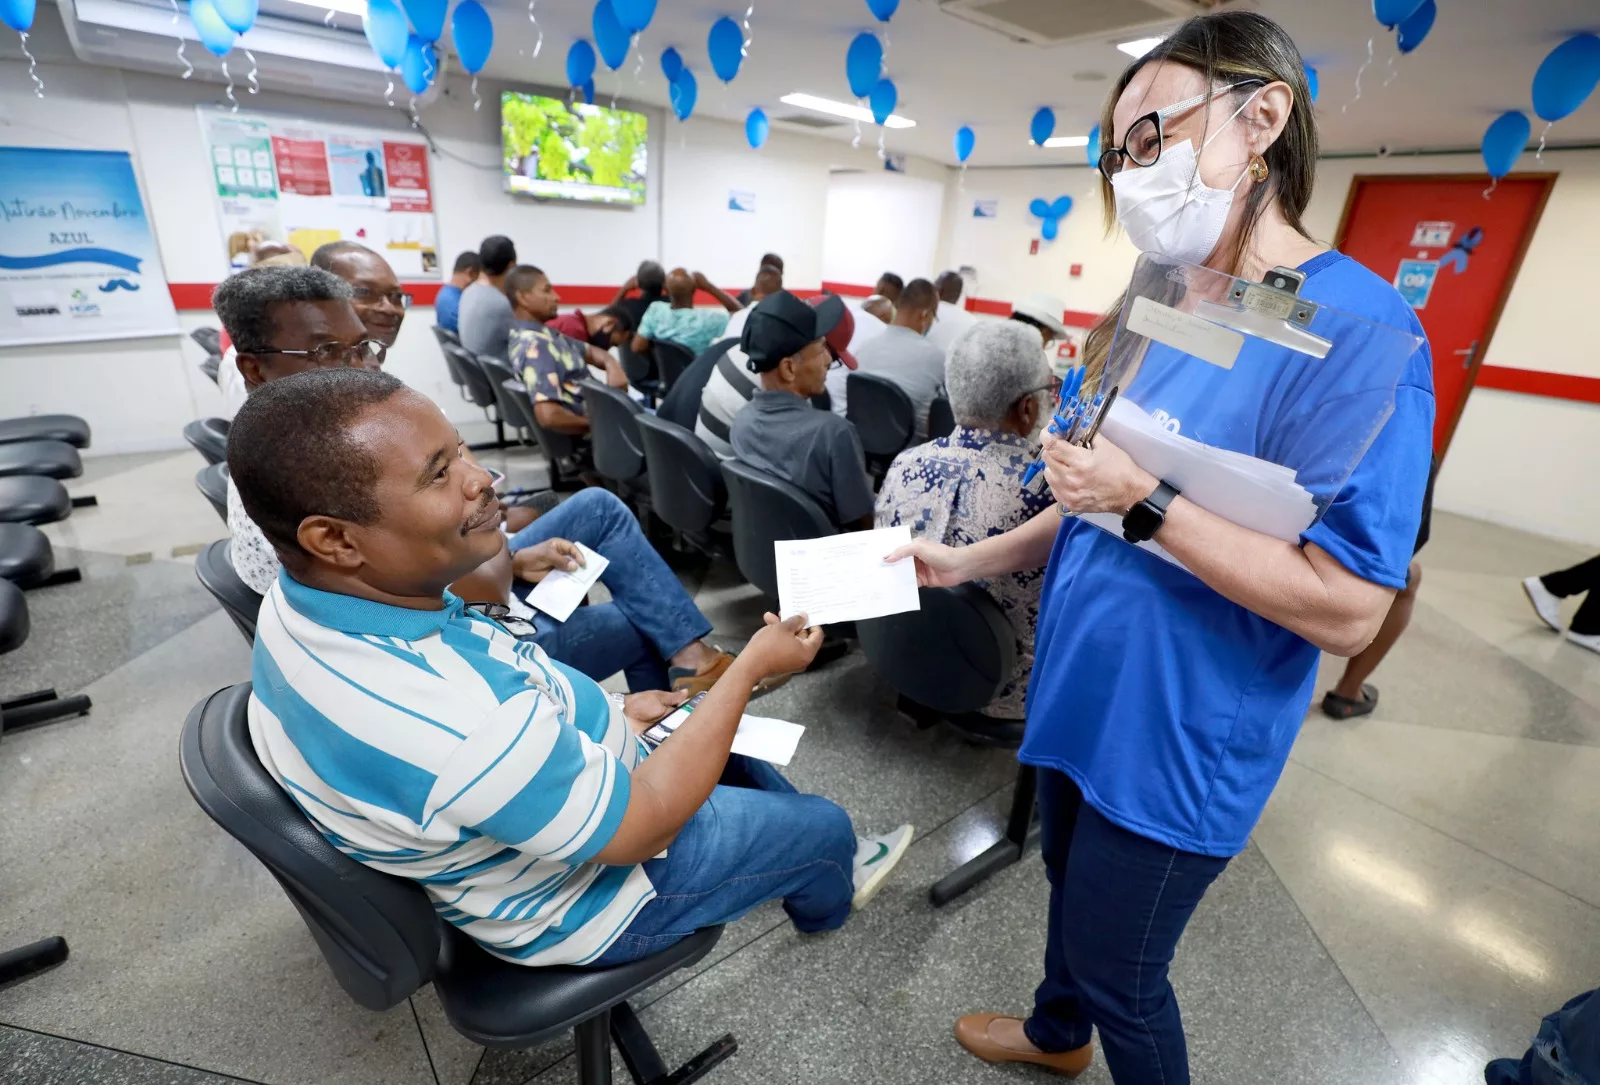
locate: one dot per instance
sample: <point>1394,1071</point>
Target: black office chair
<point>452,364</point>
<point>209,340</point>
<point>479,387</point>
<point>212,482</point>
<point>383,941</point>
<point>564,453</point>
<point>52,459</point>
<point>672,361</point>
<point>33,499</point>
<point>687,491</point>
<point>67,428</point>
<point>209,437</point>
<point>946,661</point>
<point>883,416</point>
<point>27,560</point>
<point>766,509</point>
<point>614,433</point>
<point>214,568</point>
<point>641,373</point>
<point>941,419</point>
<point>682,404</point>
<point>499,371</point>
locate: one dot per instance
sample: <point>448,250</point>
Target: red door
<point>1453,255</point>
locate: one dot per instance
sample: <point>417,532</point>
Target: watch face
<point>1141,522</point>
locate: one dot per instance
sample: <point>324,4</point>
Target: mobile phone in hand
<point>672,721</point>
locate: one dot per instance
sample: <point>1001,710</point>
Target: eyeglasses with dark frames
<point>1147,136</point>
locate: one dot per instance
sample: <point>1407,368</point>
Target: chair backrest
<point>882,413</point>
<point>378,933</point>
<point>208,438</point>
<point>766,509</point>
<point>941,419</point>
<point>475,380</point>
<point>954,655</point>
<point>498,372</point>
<point>640,370</point>
<point>682,404</point>
<point>445,335</point>
<point>672,360</point>
<point>452,363</point>
<point>210,340</point>
<point>555,446</point>
<point>214,567</point>
<point>209,366</point>
<point>614,431</point>
<point>686,486</point>
<point>212,482</point>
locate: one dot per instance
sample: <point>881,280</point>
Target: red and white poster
<point>302,166</point>
<point>408,176</point>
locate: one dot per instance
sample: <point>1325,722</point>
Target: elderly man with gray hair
<point>963,488</point>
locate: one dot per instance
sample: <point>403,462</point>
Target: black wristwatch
<point>1145,519</point>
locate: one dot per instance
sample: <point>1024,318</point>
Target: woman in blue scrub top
<point>1164,703</point>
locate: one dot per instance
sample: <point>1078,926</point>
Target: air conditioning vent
<point>1052,22</point>
<point>812,120</point>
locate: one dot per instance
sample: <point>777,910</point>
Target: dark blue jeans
<point>650,617</point>
<point>756,839</point>
<point>1118,904</point>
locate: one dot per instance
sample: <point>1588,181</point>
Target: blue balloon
<point>387,31</point>
<point>588,91</point>
<point>1311,81</point>
<point>1391,13</point>
<point>427,17</point>
<point>966,139</point>
<point>1416,27</point>
<point>883,9</point>
<point>635,15</point>
<point>419,65</point>
<point>1061,207</point>
<point>863,64</point>
<point>1039,207</point>
<point>1048,229</point>
<point>1044,123</point>
<point>215,35</point>
<point>726,46</point>
<point>17,14</point>
<point>1567,77</point>
<point>671,63</point>
<point>756,127</point>
<point>473,32</point>
<point>580,63</point>
<point>883,100</point>
<point>1092,151</point>
<point>1504,141</point>
<point>609,35</point>
<point>240,15</point>
<point>684,91</point>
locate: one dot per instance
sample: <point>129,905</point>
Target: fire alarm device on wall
<point>1076,271</point>
<point>1033,247</point>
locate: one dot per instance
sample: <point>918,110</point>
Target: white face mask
<point>1167,209</point>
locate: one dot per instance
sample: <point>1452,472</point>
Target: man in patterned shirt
<point>551,364</point>
<point>966,487</point>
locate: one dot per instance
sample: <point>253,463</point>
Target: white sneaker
<point>875,857</point>
<point>1590,641</point>
<point>1545,604</point>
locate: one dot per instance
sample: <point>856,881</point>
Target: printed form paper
<point>843,578</point>
<point>560,592</point>
<point>760,737</point>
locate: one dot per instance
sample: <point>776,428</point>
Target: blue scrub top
<point>1172,708</point>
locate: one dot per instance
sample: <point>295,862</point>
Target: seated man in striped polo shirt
<point>426,741</point>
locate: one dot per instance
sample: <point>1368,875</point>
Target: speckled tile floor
<point>1421,890</point>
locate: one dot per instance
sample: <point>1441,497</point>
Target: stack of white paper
<point>1251,492</point>
<point>560,592</point>
<point>842,578</point>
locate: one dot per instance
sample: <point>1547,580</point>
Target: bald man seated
<point>676,320</point>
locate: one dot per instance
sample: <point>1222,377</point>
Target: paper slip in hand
<point>560,592</point>
<point>760,737</point>
<point>843,578</point>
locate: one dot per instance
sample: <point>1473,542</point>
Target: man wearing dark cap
<point>781,432</point>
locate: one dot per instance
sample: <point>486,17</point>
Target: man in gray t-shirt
<point>902,353</point>
<point>484,319</point>
<point>781,433</point>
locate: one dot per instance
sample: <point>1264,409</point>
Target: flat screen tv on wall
<point>557,151</point>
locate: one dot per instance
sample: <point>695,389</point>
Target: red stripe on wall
<point>1532,382</point>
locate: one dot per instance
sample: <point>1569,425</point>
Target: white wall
<point>878,221</point>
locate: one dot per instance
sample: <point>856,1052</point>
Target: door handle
<point>1470,352</point>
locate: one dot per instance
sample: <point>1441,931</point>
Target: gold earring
<point>1258,169</point>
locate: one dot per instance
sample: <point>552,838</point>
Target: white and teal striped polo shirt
<point>434,745</point>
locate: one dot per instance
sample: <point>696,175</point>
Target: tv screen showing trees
<point>557,151</point>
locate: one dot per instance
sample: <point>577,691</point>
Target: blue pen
<point>1068,409</point>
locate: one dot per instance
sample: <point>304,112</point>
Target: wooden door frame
<point>1549,180</point>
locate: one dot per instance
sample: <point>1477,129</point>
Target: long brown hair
<point>1228,47</point>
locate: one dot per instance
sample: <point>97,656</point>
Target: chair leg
<point>41,707</point>
<point>55,579</point>
<point>1021,829</point>
<point>29,960</point>
<point>644,1061</point>
<point>594,1049</point>
<point>87,501</point>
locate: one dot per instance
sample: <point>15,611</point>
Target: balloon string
<point>477,102</point>
<point>416,121</point>
<point>1394,73</point>
<point>327,20</point>
<point>534,19</point>
<point>962,183</point>
<point>638,68</point>
<point>1493,181</point>
<point>856,143</point>
<point>233,103</point>
<point>883,155</point>
<point>1539,154</point>
<point>255,84</point>
<point>1365,64</point>
<point>388,90</point>
<point>33,66</point>
<point>188,69</point>
<point>744,50</point>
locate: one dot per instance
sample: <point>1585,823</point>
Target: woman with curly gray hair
<point>963,488</point>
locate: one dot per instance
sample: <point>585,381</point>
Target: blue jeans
<point>650,618</point>
<point>1118,904</point>
<point>756,839</point>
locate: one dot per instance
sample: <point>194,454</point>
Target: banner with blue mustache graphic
<point>78,259</point>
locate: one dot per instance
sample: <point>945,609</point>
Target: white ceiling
<point>1478,61</point>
